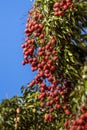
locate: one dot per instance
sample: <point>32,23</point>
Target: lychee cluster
<point>41,53</point>
<point>79,123</point>
<point>61,7</point>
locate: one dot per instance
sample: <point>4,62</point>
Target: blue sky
<point>13,75</point>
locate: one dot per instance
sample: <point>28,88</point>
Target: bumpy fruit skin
<point>67,112</point>
<point>51,109</point>
<point>56,5</point>
<point>47,117</point>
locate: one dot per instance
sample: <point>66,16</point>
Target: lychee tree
<point>55,47</point>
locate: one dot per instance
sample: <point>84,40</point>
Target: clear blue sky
<point>13,75</point>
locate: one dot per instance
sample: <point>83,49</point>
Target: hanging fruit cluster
<point>46,49</point>
<point>61,7</point>
<point>80,123</point>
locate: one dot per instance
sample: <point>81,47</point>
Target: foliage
<point>24,113</point>
<point>56,48</point>
<point>7,113</point>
